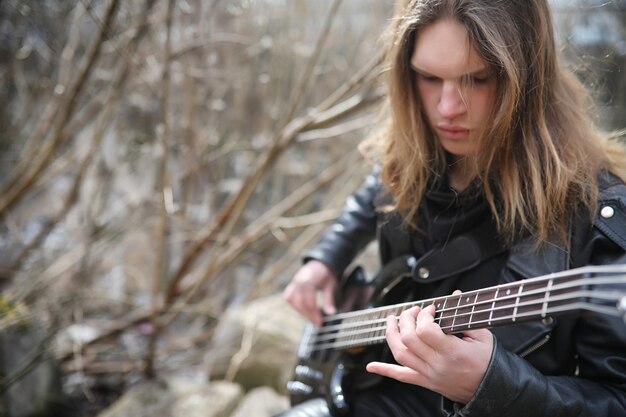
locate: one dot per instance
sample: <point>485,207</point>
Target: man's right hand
<point>302,292</point>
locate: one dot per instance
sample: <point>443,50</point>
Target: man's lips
<point>453,131</point>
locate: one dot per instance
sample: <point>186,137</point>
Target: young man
<point>489,141</point>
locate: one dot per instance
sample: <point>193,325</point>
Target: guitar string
<point>610,296</point>
<point>617,276</point>
<point>384,312</point>
<point>509,297</point>
<point>324,333</point>
<point>381,337</point>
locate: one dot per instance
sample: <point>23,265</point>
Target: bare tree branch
<point>10,196</point>
<point>112,99</point>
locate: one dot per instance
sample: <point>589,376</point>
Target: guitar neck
<point>599,289</point>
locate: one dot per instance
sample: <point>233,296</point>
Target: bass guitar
<point>332,358</point>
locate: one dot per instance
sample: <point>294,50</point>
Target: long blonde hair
<point>540,157</point>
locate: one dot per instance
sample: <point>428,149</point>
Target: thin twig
<point>247,342</point>
<point>162,254</point>
<point>114,328</point>
<point>298,92</point>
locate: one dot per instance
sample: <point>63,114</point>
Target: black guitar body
<point>336,374</point>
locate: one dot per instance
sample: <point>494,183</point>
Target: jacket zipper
<point>535,346</point>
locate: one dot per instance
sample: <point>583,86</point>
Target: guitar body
<point>336,374</point>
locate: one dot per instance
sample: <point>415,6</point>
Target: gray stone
<point>261,402</point>
<point>255,345</point>
<point>175,398</point>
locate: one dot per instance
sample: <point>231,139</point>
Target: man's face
<point>455,86</point>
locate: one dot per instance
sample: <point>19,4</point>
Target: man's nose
<point>451,103</point>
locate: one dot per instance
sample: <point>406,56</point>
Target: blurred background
<point>163,166</point>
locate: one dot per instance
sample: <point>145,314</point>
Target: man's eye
<point>428,78</point>
<point>480,80</point>
<point>476,79</point>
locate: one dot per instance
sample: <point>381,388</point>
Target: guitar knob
<point>308,372</point>
<point>297,387</point>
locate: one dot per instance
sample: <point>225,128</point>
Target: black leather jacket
<point>566,366</point>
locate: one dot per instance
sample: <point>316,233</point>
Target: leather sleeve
<point>512,386</point>
<point>352,230</point>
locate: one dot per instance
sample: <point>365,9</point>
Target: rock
<point>261,402</point>
<point>175,398</point>
<point>144,399</point>
<point>216,399</point>
<point>255,345</point>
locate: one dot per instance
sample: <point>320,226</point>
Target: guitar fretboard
<point>589,288</point>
